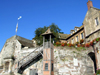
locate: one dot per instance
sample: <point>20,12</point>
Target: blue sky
<point>39,13</point>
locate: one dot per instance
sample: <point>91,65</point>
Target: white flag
<point>19,17</point>
<point>16,26</point>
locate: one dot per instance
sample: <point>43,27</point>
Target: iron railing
<point>30,56</point>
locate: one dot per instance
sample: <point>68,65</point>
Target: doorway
<point>92,56</point>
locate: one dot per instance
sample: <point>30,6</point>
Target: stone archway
<point>92,56</point>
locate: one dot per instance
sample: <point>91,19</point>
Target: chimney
<point>89,4</point>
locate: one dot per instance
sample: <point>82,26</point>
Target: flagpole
<point>16,39</point>
<point>16,28</point>
<point>17,24</point>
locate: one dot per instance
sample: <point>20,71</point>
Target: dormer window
<point>71,32</point>
<point>75,29</point>
<point>96,21</point>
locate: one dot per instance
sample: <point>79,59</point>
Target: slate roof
<point>48,32</point>
<point>63,36</point>
<point>25,42</point>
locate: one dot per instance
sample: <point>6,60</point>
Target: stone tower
<point>48,55</point>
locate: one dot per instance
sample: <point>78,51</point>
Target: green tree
<point>54,28</point>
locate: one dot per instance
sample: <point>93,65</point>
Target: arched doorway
<point>92,56</point>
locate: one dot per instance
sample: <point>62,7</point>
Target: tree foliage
<point>54,28</point>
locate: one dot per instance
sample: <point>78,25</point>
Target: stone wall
<point>72,62</point>
<point>68,61</point>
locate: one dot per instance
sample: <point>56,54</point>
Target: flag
<point>16,27</point>
<point>19,17</point>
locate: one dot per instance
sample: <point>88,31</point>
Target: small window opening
<point>46,66</point>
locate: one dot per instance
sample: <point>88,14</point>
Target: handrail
<point>28,55</point>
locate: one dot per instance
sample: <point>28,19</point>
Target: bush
<point>81,41</point>
<point>98,72</point>
<point>97,39</point>
<point>87,44</point>
<point>69,44</point>
<point>73,45</point>
<point>91,43</point>
<point>63,44</point>
<point>58,43</point>
<point>83,45</point>
<point>78,45</point>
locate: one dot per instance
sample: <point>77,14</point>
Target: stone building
<point>92,22</point>
<point>89,30</point>
<point>21,56</point>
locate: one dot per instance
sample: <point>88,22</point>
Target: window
<point>71,32</point>
<point>46,66</point>
<point>52,67</point>
<point>82,36</point>
<point>96,21</point>
<point>75,29</point>
<point>72,41</point>
<point>77,38</point>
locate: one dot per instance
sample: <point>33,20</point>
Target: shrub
<point>83,45</point>
<point>73,45</point>
<point>81,41</point>
<point>58,43</point>
<point>63,44</point>
<point>78,45</point>
<point>97,39</point>
<point>91,43</point>
<point>98,72</point>
<point>87,45</point>
<point>69,44</point>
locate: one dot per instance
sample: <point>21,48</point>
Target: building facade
<point>89,30</point>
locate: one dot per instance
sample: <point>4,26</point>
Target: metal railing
<point>30,56</point>
<point>47,44</point>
